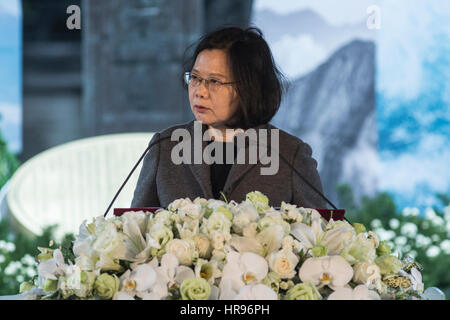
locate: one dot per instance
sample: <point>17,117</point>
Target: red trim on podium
<point>337,214</point>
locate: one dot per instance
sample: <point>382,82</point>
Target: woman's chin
<point>204,119</point>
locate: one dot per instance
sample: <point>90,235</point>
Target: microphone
<point>233,186</point>
<point>132,170</point>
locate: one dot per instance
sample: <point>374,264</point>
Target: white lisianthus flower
<point>162,217</point>
<point>338,235</point>
<point>208,270</point>
<point>256,292</point>
<point>178,203</point>
<point>190,211</point>
<point>140,218</point>
<point>333,271</point>
<point>202,245</point>
<point>250,231</point>
<point>188,229</point>
<point>200,201</point>
<point>360,250</point>
<point>361,292</point>
<point>218,222</point>
<point>367,274</point>
<point>184,250</point>
<point>160,234</point>
<point>309,214</point>
<point>215,204</point>
<point>259,200</point>
<point>109,241</point>
<point>291,212</point>
<point>246,214</point>
<point>283,263</point>
<point>217,240</point>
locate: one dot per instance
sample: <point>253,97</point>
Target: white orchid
<point>242,269</point>
<point>256,292</point>
<point>332,271</point>
<point>226,251</point>
<point>360,292</point>
<point>137,282</point>
<point>171,272</point>
<point>308,236</point>
<point>52,268</point>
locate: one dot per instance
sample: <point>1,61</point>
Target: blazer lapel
<point>238,171</point>
<point>201,172</point>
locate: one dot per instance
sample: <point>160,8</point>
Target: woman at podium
<point>234,90</point>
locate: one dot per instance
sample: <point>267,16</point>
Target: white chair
<point>75,181</point>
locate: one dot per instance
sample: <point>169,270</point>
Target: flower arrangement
<point>211,249</point>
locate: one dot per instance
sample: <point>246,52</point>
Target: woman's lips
<point>200,109</point>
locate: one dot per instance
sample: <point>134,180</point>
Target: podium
<point>327,214</point>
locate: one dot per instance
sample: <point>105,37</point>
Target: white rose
<point>283,263</point>
<point>161,234</point>
<point>184,250</point>
<point>368,274</point>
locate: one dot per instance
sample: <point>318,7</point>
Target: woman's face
<point>220,105</point>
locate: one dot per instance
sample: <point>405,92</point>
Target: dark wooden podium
<point>337,214</point>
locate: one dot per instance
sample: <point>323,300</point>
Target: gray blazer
<point>161,181</point>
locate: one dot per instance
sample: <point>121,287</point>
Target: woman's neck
<point>221,134</point>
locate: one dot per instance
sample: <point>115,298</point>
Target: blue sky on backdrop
<point>10,73</point>
<point>412,83</point>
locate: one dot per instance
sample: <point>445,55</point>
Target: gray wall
<point>121,73</point>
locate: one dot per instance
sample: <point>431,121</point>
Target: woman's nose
<point>202,90</point>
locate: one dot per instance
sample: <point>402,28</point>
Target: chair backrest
<point>75,181</point>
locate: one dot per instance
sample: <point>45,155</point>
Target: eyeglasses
<point>212,85</point>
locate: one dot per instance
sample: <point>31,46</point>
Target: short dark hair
<point>260,84</point>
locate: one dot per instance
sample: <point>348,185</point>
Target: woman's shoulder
<point>290,143</point>
<point>168,131</point>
